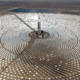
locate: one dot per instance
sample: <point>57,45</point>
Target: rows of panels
<point>54,58</point>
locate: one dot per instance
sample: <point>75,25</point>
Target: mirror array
<point>54,58</point>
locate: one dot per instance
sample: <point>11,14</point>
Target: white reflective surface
<point>53,58</point>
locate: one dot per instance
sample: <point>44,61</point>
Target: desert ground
<point>73,7</point>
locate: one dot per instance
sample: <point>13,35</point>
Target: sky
<point>46,0</point>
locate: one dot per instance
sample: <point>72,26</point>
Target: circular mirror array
<point>56,57</point>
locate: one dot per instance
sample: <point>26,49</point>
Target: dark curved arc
<point>25,49</point>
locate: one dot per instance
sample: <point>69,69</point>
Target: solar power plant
<point>39,46</point>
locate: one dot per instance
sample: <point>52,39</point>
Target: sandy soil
<point>4,6</point>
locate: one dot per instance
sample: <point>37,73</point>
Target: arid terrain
<point>74,7</point>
